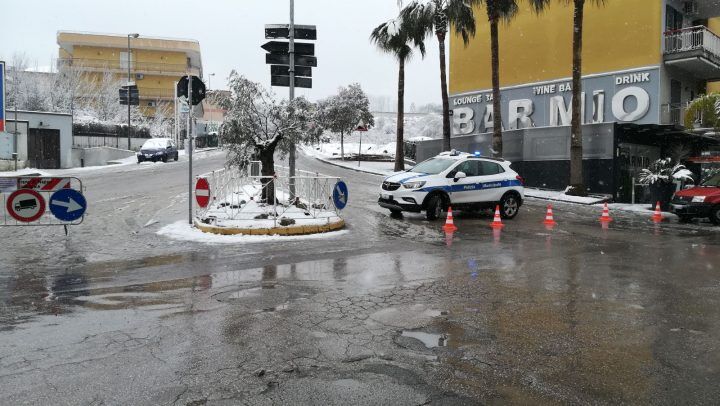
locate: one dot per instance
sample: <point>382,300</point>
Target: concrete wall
<point>98,156</point>
<point>55,121</point>
<point>7,146</point>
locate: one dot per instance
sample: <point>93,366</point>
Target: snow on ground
<point>324,152</point>
<point>240,209</point>
<point>560,196</point>
<point>183,231</point>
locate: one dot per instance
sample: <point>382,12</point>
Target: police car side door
<point>465,190</point>
<point>494,180</point>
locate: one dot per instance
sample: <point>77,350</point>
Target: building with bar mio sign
<point>643,62</point>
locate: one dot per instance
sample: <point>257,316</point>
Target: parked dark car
<point>699,201</point>
<point>158,149</point>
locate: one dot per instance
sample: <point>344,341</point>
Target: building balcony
<point>695,50</point>
<point>115,65</point>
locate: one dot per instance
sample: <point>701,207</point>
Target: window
<point>490,168</point>
<point>433,166</point>
<point>124,60</point>
<point>470,168</point>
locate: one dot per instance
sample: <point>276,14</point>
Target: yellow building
<point>155,63</point>
<point>675,41</point>
<point>643,62</point>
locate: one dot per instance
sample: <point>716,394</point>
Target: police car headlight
<point>413,185</point>
<point>698,199</point>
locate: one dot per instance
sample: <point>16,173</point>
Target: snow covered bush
<point>664,171</point>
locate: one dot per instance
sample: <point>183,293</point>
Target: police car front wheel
<point>509,206</point>
<point>434,208</point>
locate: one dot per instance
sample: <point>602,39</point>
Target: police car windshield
<point>433,166</point>
<point>713,181</point>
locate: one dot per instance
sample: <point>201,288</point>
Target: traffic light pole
<point>128,89</point>
<point>291,70</point>
<point>189,149</point>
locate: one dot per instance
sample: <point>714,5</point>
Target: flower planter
<point>662,192</point>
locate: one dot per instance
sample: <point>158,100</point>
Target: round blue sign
<point>340,195</point>
<point>67,204</point>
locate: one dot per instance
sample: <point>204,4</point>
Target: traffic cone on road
<point>497,221</point>
<point>549,221</point>
<point>449,226</point>
<point>657,216</point>
<point>605,218</point>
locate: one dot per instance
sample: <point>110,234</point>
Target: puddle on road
<point>428,339</point>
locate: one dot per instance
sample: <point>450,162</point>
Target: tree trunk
<point>399,138</point>
<point>342,146</point>
<point>267,159</point>
<point>497,145</point>
<point>443,88</point>
<point>577,186</point>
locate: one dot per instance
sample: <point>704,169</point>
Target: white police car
<point>454,178</point>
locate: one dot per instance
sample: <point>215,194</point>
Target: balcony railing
<point>692,39</point>
<point>135,67</point>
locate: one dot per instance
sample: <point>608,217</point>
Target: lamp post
<point>129,58</point>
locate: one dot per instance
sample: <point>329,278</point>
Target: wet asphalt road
<point>390,312</point>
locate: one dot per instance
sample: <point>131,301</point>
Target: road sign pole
<point>189,149</point>
<point>291,70</point>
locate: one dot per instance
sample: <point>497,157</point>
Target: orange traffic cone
<point>549,221</point>
<point>449,226</point>
<point>605,218</point>
<point>657,216</point>
<point>497,222</point>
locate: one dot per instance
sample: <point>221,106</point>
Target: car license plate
<point>386,196</point>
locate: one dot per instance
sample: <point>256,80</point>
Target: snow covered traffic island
<point>239,205</point>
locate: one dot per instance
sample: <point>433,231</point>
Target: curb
<point>600,201</point>
<point>292,230</point>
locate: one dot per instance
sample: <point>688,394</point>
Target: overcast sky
<point>230,34</point>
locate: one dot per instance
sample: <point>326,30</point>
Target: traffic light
<point>134,95</point>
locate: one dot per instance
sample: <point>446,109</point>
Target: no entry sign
<point>25,205</point>
<point>202,192</point>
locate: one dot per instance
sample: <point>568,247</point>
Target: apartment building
<point>155,63</point>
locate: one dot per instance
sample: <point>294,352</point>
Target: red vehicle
<point>699,201</point>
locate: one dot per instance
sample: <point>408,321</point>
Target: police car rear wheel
<point>434,208</point>
<point>509,206</point>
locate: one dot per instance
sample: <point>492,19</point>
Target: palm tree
<point>505,10</point>
<point>436,17</point>
<point>577,184</point>
<point>398,37</point>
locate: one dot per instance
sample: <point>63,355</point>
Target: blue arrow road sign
<point>68,204</point>
<point>340,195</point>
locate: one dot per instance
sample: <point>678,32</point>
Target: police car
<point>457,179</point>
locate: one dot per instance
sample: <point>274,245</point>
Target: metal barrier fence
<point>237,195</point>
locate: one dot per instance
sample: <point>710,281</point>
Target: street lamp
<point>129,58</point>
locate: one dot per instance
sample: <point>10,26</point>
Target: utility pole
<point>190,147</point>
<point>291,70</point>
<point>129,58</point>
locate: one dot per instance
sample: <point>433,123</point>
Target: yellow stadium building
<point>643,61</point>
<point>155,63</point>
